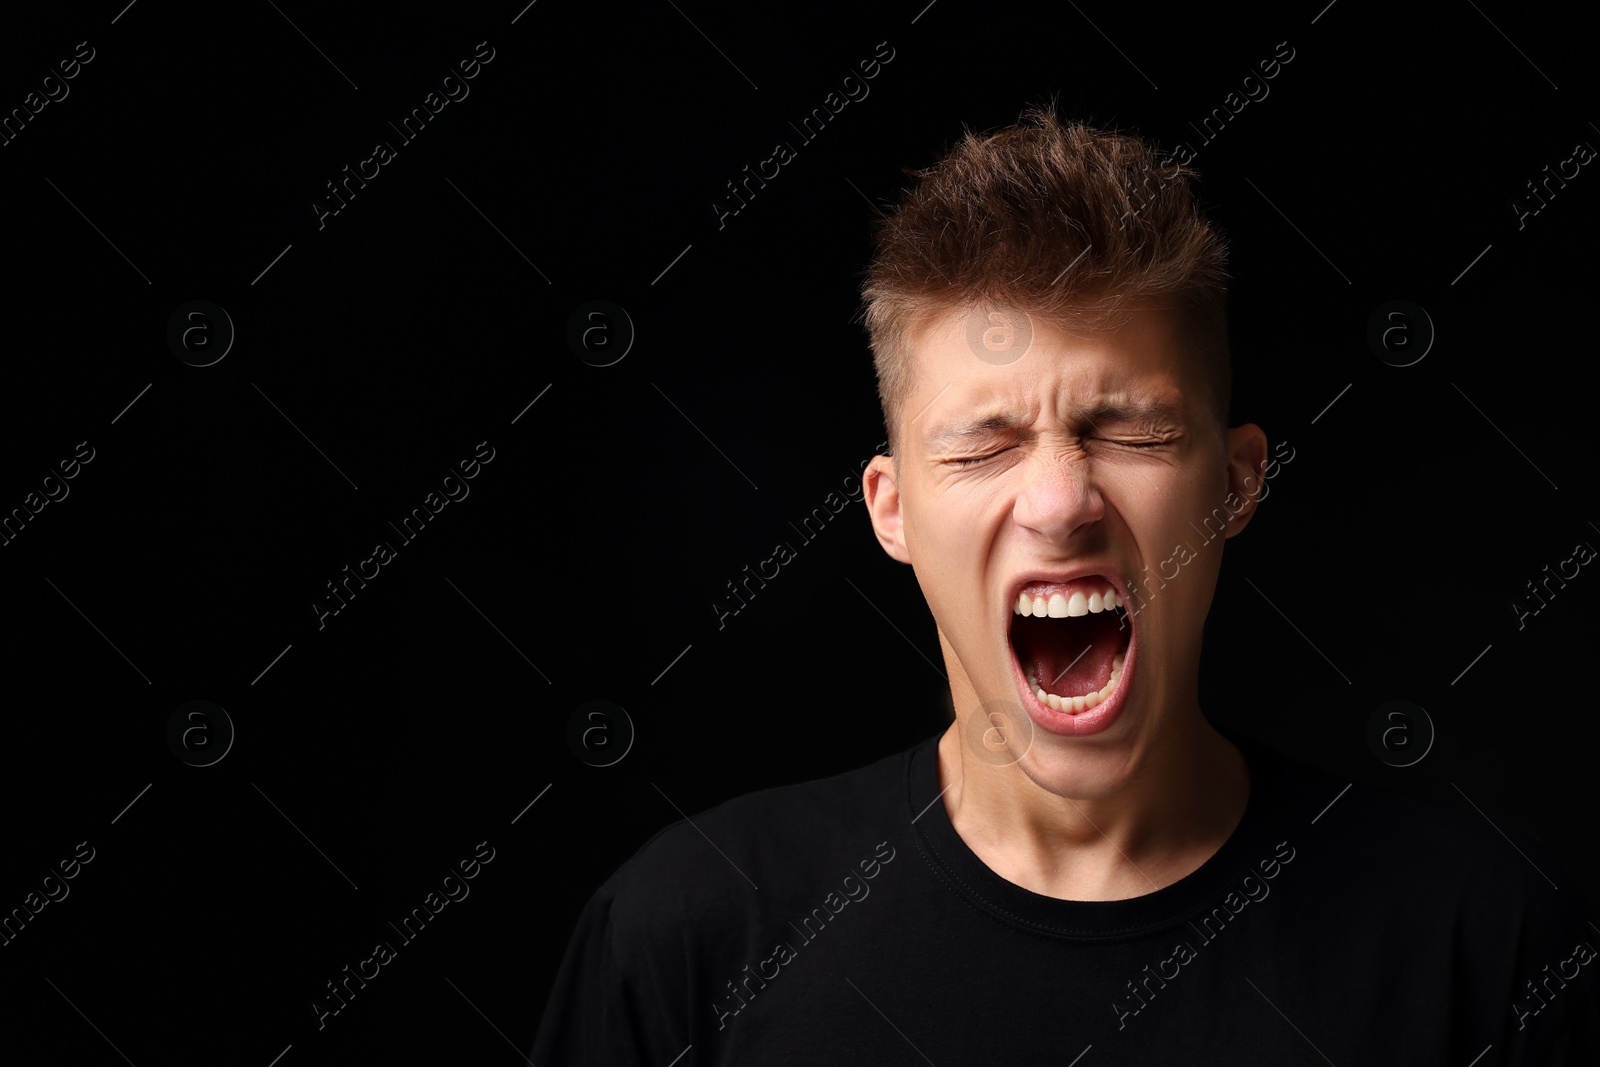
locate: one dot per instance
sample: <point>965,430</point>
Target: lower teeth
<point>1073,705</point>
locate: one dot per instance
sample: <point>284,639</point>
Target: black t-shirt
<point>844,921</point>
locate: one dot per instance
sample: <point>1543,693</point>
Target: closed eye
<point>968,461</point>
<point>1156,440</point>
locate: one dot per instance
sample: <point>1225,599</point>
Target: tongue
<point>1070,657</point>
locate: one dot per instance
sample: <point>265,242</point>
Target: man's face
<point>1091,465</point>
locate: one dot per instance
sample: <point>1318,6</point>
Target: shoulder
<point>1467,914</point>
<point>1422,827</point>
<point>1444,851</point>
<point>758,852</point>
<point>677,921</point>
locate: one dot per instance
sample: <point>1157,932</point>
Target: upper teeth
<point>1057,606</point>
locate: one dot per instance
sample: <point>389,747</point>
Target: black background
<point>375,352</point>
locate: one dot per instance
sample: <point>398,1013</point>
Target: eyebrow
<point>1111,411</point>
<point>986,426</point>
<point>1151,409</point>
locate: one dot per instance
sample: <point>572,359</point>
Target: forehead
<point>976,362</point>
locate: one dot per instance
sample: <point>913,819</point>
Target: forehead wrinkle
<point>1104,395</point>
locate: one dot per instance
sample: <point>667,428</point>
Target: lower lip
<point>1095,720</point>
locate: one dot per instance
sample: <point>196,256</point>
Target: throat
<point>1092,851</point>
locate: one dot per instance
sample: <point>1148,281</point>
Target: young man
<point>1081,869</point>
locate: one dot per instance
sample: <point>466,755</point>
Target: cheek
<point>948,538</point>
<point>1165,510</point>
<point>962,512</point>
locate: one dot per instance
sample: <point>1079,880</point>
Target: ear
<point>1246,450</point>
<point>883,504</point>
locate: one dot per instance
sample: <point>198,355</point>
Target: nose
<point>1059,494</point>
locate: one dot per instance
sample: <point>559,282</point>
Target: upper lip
<point>1087,570</point>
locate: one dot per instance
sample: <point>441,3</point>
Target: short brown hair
<point>1063,221</point>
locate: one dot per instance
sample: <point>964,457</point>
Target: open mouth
<point>1071,640</point>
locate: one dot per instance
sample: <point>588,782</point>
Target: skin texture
<point>1114,814</point>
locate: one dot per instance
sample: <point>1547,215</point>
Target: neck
<point>1177,806</point>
